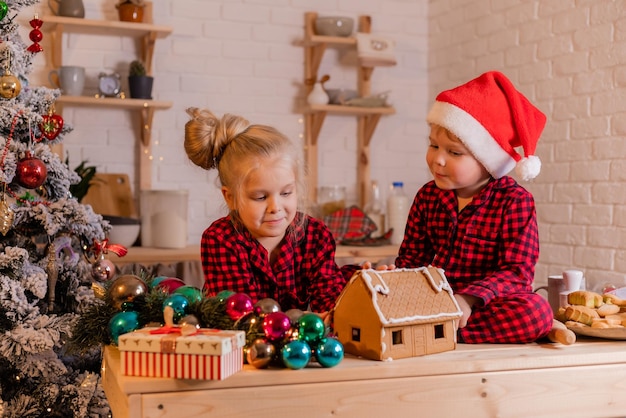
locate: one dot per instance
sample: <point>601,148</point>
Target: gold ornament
<point>53,274</point>
<point>10,85</point>
<point>99,291</point>
<point>6,215</point>
<point>125,289</point>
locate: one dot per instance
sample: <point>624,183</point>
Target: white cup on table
<point>572,280</point>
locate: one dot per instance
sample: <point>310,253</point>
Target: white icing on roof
<point>382,288</point>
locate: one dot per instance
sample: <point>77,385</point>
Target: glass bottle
<point>397,212</point>
<point>374,209</point>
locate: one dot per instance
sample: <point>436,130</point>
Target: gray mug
<point>70,79</point>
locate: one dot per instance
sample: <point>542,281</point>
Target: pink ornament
<point>238,305</point>
<point>103,270</point>
<point>276,325</point>
<point>170,284</point>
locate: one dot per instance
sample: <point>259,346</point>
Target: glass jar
<point>331,199</point>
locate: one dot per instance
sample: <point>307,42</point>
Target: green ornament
<point>311,328</point>
<point>4,9</point>
<point>193,294</point>
<point>224,294</point>
<point>121,323</point>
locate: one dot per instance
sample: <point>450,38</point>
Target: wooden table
<point>586,379</point>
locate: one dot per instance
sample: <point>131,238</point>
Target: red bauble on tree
<point>51,125</point>
<point>35,35</point>
<point>31,172</point>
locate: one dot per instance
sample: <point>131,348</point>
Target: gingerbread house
<point>394,314</point>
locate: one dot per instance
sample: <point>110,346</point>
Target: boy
<point>476,222</point>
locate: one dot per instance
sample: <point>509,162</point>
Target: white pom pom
<point>528,167</point>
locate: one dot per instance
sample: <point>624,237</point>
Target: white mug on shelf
<point>69,78</point>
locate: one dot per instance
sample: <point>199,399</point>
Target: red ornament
<point>170,284</point>
<point>238,305</point>
<point>31,172</point>
<point>35,35</point>
<point>275,325</point>
<point>50,126</point>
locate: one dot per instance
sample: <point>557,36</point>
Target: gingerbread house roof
<point>409,296</point>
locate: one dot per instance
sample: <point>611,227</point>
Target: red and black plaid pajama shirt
<point>304,275</point>
<point>488,250</point>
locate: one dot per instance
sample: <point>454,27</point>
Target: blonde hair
<point>228,143</point>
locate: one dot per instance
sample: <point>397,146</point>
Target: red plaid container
<point>209,354</point>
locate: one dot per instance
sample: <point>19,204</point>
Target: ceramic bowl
<point>334,26</point>
<point>124,231</point>
<point>340,96</point>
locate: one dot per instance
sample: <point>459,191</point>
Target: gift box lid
<point>204,341</point>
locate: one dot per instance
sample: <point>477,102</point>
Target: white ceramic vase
<point>318,95</point>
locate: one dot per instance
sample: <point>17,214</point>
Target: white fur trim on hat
<point>475,137</point>
<point>528,167</point>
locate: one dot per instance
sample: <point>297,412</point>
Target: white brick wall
<point>569,58</point>
<point>244,57</point>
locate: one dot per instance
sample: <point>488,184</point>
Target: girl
<point>265,247</point>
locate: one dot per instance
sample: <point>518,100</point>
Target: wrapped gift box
<point>209,354</point>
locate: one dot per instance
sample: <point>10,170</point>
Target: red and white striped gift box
<point>208,355</point>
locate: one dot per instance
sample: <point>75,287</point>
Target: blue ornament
<point>121,323</point>
<point>329,353</point>
<point>296,354</point>
<point>179,304</point>
<point>193,294</point>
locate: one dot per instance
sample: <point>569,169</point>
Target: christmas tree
<point>50,246</point>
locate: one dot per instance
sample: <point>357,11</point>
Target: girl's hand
<point>325,317</point>
<point>368,265</point>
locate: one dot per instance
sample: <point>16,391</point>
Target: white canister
<point>164,218</point>
<point>397,212</point>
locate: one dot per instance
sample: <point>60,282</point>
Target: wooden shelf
<point>145,108</point>
<point>147,33</point>
<point>314,115</point>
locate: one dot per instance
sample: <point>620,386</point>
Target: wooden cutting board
<point>110,194</point>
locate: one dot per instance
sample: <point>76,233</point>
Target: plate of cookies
<point>591,314</point>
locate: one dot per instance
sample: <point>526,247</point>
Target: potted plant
<point>139,82</point>
<point>130,10</point>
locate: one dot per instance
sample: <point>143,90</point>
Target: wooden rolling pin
<point>561,334</point>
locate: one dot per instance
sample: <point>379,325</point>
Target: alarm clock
<point>109,85</point>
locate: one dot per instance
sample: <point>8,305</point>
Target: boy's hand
<point>466,302</point>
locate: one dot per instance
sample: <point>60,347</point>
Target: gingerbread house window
<point>396,337</point>
<point>356,334</point>
<point>439,331</point>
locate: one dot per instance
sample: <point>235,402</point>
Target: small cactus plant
<point>137,69</point>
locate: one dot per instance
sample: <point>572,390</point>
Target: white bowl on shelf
<point>124,231</point>
<point>340,96</point>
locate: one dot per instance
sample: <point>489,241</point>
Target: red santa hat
<point>492,119</point>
